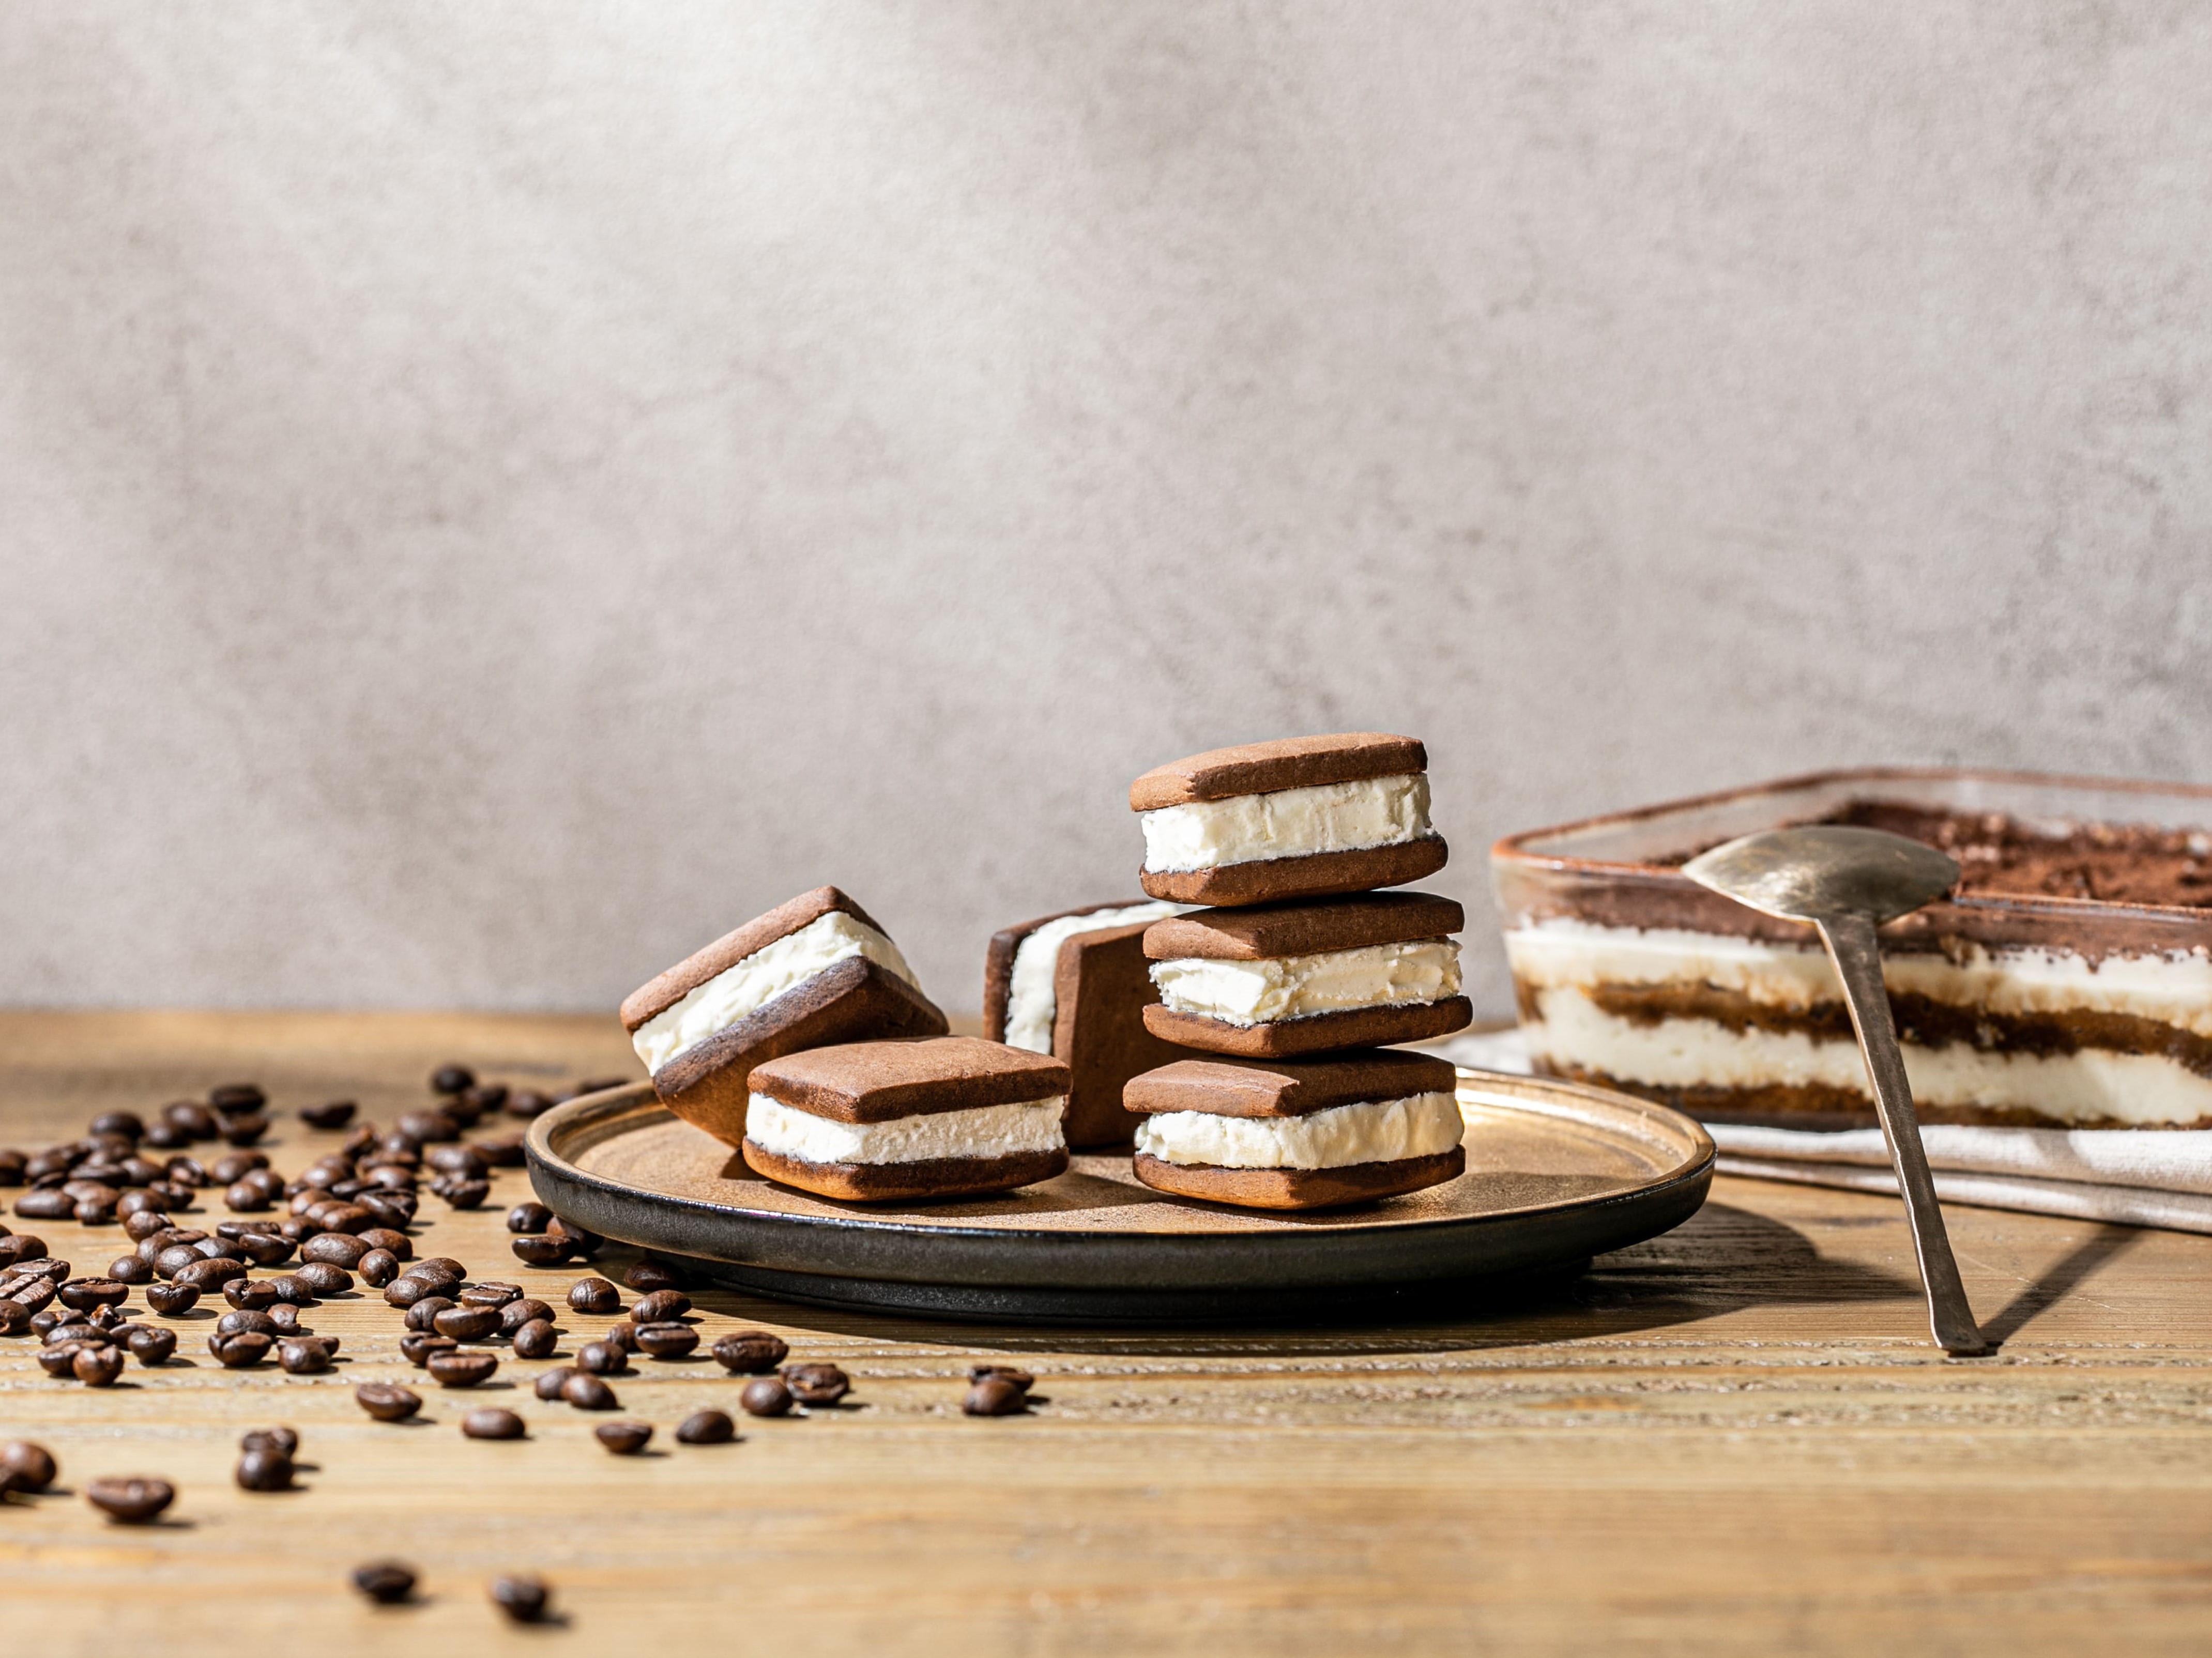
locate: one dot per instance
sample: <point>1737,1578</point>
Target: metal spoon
<point>1847,882</point>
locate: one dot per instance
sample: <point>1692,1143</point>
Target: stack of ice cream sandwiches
<point>1297,975</point>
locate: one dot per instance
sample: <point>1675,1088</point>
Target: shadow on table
<point>2060,1279</point>
<point>1720,1261</point>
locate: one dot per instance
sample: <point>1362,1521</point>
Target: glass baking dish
<point>2053,1011</point>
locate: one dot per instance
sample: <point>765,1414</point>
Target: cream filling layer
<point>1032,1002</point>
<point>1280,987</point>
<point>2173,988</point>
<point>751,983</point>
<point>1376,812</point>
<point>2093,1084</point>
<point>987,1131</point>
<point>1373,1131</point>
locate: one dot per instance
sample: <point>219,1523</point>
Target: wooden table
<point>1732,1439</point>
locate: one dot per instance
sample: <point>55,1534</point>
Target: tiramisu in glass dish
<point>2067,982</point>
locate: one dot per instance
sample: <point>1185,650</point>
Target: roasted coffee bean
<point>995,1396</point>
<point>502,1151</point>
<point>305,1355</point>
<point>377,1268</point>
<point>816,1384</point>
<point>151,1346</point>
<point>244,1197</point>
<point>492,1423</point>
<point>660,1307</point>
<point>164,1136</point>
<point>523,1598</point>
<point>444,1266</point>
<point>669,1340</point>
<point>240,1351</point>
<point>130,1501</point>
<point>490,1294</point>
<point>406,1290</point>
<point>427,1127</point>
<point>450,1078</point>
<point>46,1203</point>
<point>416,1346</point>
<point>587,1393</point>
<point>529,1218</point>
<point>524,1309</point>
<point>338,1216</point>
<point>97,1366</point>
<point>397,1147</point>
<point>248,1297</point>
<point>59,1360</point>
<point>623,1335</point>
<point>536,1340</point>
<point>391,1241</point>
<point>486,1096</point>
<point>335,1114</point>
<point>527,1102</point>
<point>387,1402</point>
<point>594,1295</point>
<point>171,1299</point>
<point>125,1123</point>
<point>466,1194</point>
<point>309,1199</point>
<point>173,1258</point>
<point>1007,1373</point>
<point>456,1160</point>
<point>141,1199</point>
<point>581,1243</point>
<point>602,1358</point>
<point>749,1352</point>
<point>465,1323</point>
<point>337,1248</point>
<point>237,1096</point>
<point>244,1128</point>
<point>550,1383</point>
<point>384,1581</point>
<point>26,1466</point>
<point>76,1327</point>
<point>706,1428</point>
<point>231,1323</point>
<point>391,1211</point>
<point>94,1211</point>
<point>86,1293</point>
<point>264,1471</point>
<point>11,1167</point>
<point>31,1293</point>
<point>15,1318</point>
<point>766,1396</point>
<point>283,1441</point>
<point>207,1274</point>
<point>459,1369</point>
<point>130,1269</point>
<point>236,1166</point>
<point>262,1249</point>
<point>20,1247</point>
<point>540,1251</point>
<point>325,1278</point>
<point>624,1438</point>
<point>191,1118</point>
<point>423,1315</point>
<point>651,1277</point>
<point>295,1288</point>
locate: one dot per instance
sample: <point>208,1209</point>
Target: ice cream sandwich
<point>1300,818</point>
<point>1075,986</point>
<point>814,971</point>
<point>945,1116</point>
<point>1298,1133</point>
<point>1305,978</point>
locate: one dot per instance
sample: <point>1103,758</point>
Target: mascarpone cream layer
<point>988,1131</point>
<point>1377,811</point>
<point>1280,987</point>
<point>1373,1131</point>
<point>2093,1084</point>
<point>1032,1003</point>
<point>751,984</point>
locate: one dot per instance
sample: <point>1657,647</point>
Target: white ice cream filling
<point>1373,1131</point>
<point>987,1131</point>
<point>1032,1002</point>
<point>1376,812</point>
<point>1280,987</point>
<point>751,984</point>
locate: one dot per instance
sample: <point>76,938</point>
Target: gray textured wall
<point>486,502</point>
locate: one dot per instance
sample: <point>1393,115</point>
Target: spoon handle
<point>1851,946</point>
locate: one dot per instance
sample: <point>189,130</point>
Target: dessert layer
<point>1373,1131</point>
<point>990,1131</point>
<point>1032,1002</point>
<point>745,988</point>
<point>2006,856</point>
<point>1300,987</point>
<point>1377,811</point>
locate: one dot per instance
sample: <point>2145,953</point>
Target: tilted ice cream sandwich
<point>1307,977</point>
<point>946,1116</point>
<point>1075,986</point>
<point>816,970</point>
<point>1297,819</point>
<point>1298,1133</point>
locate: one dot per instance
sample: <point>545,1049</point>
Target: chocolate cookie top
<point>1289,762</point>
<point>875,1082</point>
<point>1304,928</point>
<point>1288,1088</point>
<point>671,987</point>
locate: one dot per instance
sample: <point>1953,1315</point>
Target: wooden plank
<point>1733,1439</point>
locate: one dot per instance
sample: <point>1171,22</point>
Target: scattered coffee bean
<point>623,1335</point>
<point>502,1151</point>
<point>231,1323</point>
<point>523,1598</point>
<point>513,1314</point>
<point>540,1251</point>
<point>86,1293</point>
<point>244,1128</point>
<point>241,1351</point>
<point>995,1396</point>
<point>244,1198</point>
<point>237,1096</point>
<point>249,1297</point>
<point>58,1361</point>
<point>492,1423</point>
<point>461,1160</point>
<point>335,1114</point>
<point>126,1123</point>
<point>338,1248</point>
<point>442,1266</point>
<point>305,1355</point>
<point>1010,1373</point>
<point>143,1224</point>
<point>377,1268</point>
<point>594,1295</point>
<point>602,1358</point>
<point>394,1244</point>
<point>416,1346</point>
<point>26,1466</point>
<point>749,1352</point>
<point>284,1318</point>
<point>205,1274</point>
<point>587,1393</point>
<point>816,1384</point>
<point>459,1370</point>
<point>384,1581</point>
<point>766,1396</point>
<point>171,1299</point>
<point>624,1438</point>
<point>530,1218</point>
<point>649,1275</point>
<point>151,1346</point>
<point>427,1127</point>
<point>130,1501</point>
<point>549,1384</point>
<point>262,1248</point>
<point>15,1317</point>
<point>293,1287</point>
<point>486,1096</point>
<point>325,1278</point>
<point>494,1294</point>
<point>580,1243</point>
<point>660,1307</point>
<point>706,1428</point>
<point>536,1340</point>
<point>527,1102</point>
<point>467,1194</point>
<point>423,1315</point>
<point>452,1079</point>
<point>49,1204</point>
<point>669,1340</point>
<point>387,1401</point>
<point>97,1366</point>
<point>130,1269</point>
<point>465,1323</point>
<point>264,1471</point>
